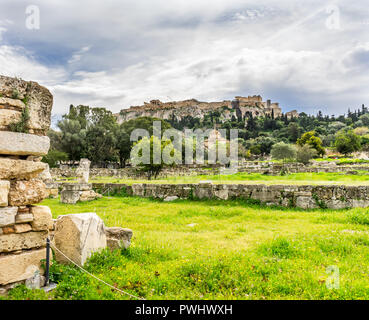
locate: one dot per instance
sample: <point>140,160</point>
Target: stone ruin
<point>82,190</point>
<point>51,186</point>
<point>239,107</point>
<point>24,227</point>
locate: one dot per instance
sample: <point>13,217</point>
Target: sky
<point>306,55</point>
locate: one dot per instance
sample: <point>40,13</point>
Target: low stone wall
<point>307,197</point>
<point>268,168</point>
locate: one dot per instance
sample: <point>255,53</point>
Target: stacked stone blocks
<point>24,226</point>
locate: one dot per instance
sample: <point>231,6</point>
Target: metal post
<point>47,261</point>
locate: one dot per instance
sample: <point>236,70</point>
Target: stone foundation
<point>306,197</point>
<point>269,168</point>
<point>75,192</point>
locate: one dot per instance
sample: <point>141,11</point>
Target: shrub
<point>347,142</point>
<point>21,125</point>
<point>53,157</point>
<point>305,153</point>
<point>283,151</point>
<point>310,139</point>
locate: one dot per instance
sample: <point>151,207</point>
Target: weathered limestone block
<point>266,194</point>
<point>18,241</point>
<point>15,143</point>
<point>221,192</point>
<point>27,192</point>
<point>170,198</point>
<point>118,238</point>
<point>22,227</point>
<point>23,218</point>
<point>42,218</point>
<point>39,101</point>
<point>8,117</point>
<point>8,230</point>
<point>74,192</point>
<point>83,171</point>
<point>20,169</point>
<point>45,175</point>
<point>306,202</point>
<point>4,193</point>
<point>69,197</point>
<point>77,186</point>
<point>89,196</point>
<point>9,87</point>
<point>11,104</point>
<point>337,204</point>
<point>53,192</point>
<point>204,190</point>
<point>78,236</point>
<point>19,267</point>
<point>7,216</point>
<point>138,189</point>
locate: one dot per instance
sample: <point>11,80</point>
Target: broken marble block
<point>118,238</point>
<point>78,236</point>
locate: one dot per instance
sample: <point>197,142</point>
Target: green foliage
<point>124,144</point>
<point>53,157</point>
<point>347,142</point>
<point>283,151</point>
<point>305,153</point>
<point>217,250</point>
<point>320,203</point>
<point>149,147</point>
<point>359,217</point>
<point>15,94</point>
<point>280,248</point>
<point>310,139</point>
<point>22,124</point>
<point>21,292</point>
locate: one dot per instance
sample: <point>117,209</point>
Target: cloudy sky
<point>307,55</point>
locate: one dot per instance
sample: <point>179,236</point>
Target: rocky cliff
<point>239,108</point>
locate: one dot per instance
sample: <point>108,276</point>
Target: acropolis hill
<point>240,108</point>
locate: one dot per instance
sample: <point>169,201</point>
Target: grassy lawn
<point>219,250</point>
<point>361,178</point>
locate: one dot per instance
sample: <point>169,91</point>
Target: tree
<point>294,131</point>
<point>283,151</point>
<point>313,141</point>
<point>347,142</point>
<point>53,157</point>
<point>142,155</point>
<point>305,153</point>
<point>124,144</point>
<point>101,136</point>
<point>73,139</point>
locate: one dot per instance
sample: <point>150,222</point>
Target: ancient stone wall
<point>269,168</point>
<point>24,227</point>
<point>306,197</point>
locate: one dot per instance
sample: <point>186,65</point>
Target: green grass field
<point>219,250</point>
<point>361,178</point>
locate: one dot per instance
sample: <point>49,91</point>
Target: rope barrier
<point>90,274</point>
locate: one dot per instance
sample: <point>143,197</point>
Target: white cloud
<point>118,54</point>
<point>78,55</point>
